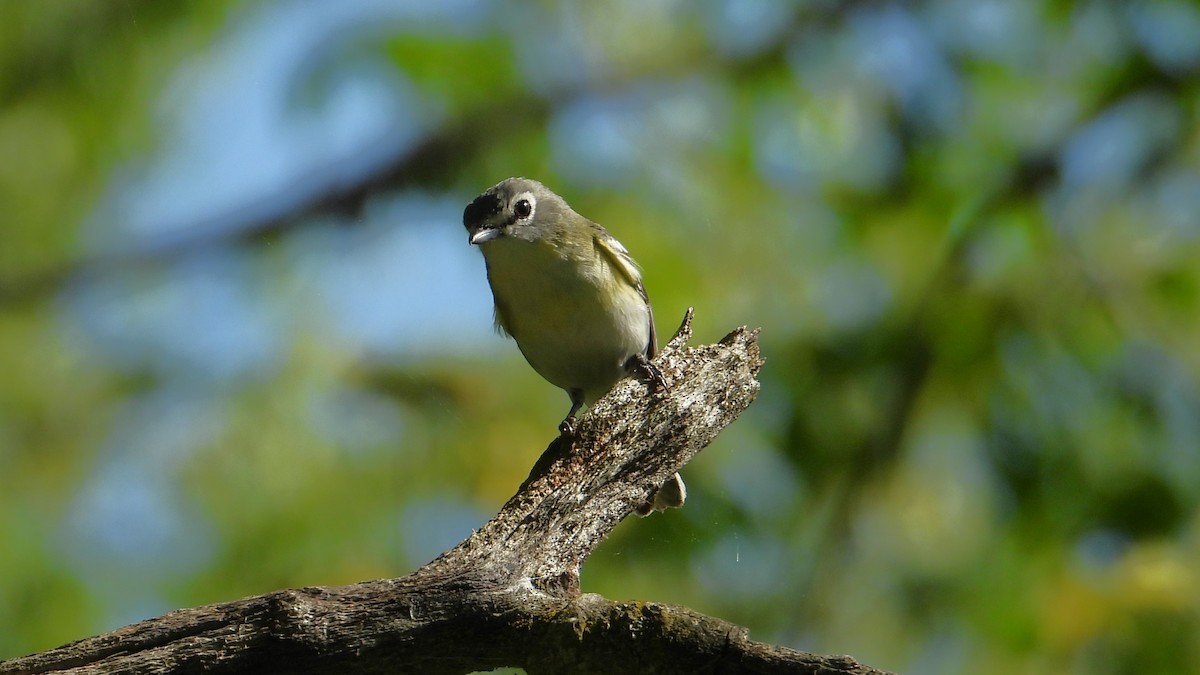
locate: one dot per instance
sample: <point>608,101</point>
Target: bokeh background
<point>244,344</point>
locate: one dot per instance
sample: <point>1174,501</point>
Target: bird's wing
<point>616,254</point>
<point>652,348</point>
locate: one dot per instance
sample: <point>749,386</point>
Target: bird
<point>570,295</point>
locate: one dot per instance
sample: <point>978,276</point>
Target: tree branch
<point>509,594</point>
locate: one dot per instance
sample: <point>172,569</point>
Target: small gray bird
<point>570,295</point>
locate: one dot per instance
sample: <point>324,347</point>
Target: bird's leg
<point>567,426</point>
<point>638,364</point>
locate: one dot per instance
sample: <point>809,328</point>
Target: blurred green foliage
<point>970,232</point>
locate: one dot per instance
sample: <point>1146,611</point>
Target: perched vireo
<point>569,294</point>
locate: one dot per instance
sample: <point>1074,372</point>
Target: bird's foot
<point>567,426</point>
<point>641,366</point>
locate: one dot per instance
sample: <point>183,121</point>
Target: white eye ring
<point>523,206</point>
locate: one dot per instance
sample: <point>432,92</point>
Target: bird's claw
<point>639,365</point>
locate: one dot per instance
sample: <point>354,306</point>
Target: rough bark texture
<point>509,594</point>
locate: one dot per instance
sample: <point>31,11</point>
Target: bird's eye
<point>523,208</point>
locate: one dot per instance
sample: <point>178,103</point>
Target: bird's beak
<point>484,234</point>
